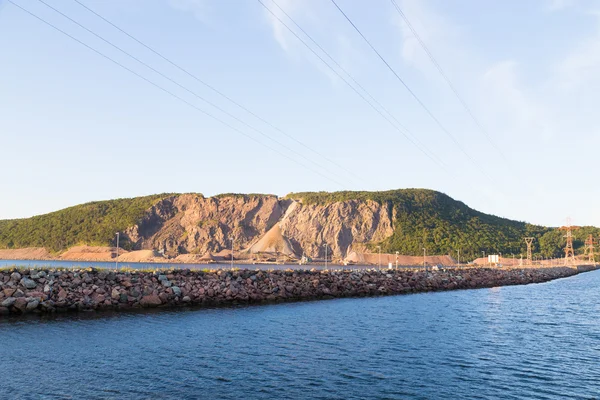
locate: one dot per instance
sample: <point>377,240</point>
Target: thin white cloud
<point>199,8</point>
<point>311,15</point>
<point>500,100</point>
<point>556,5</point>
<point>581,66</point>
<point>280,32</point>
<point>432,28</point>
<point>513,107</point>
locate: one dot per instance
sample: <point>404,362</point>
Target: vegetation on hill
<point>244,196</point>
<point>92,223</point>
<point>426,219</point>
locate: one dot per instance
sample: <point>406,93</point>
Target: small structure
<point>493,259</point>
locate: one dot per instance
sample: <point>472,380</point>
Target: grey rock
<point>8,302</point>
<point>162,278</point>
<point>33,304</point>
<point>166,283</point>
<point>176,290</point>
<point>28,283</point>
<point>9,284</point>
<point>48,305</point>
<point>15,276</point>
<point>186,299</point>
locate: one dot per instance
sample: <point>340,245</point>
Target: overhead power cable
<point>402,126</point>
<point>448,81</point>
<point>172,94</point>
<point>220,93</point>
<point>260,132</point>
<point>412,93</point>
<point>423,150</point>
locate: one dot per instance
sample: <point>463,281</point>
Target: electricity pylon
<point>569,236</point>
<point>529,241</point>
<point>589,249</point>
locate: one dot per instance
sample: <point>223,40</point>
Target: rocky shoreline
<point>24,291</point>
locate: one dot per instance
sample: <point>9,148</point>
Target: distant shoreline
<point>99,254</point>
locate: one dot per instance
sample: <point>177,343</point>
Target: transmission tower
<point>529,241</point>
<point>569,236</point>
<point>589,249</point>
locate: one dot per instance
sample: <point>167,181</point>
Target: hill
<point>405,220</point>
<point>92,223</point>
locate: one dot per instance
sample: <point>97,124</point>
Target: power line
<point>448,81</point>
<point>170,93</point>
<point>185,71</point>
<point>184,88</point>
<point>354,80</point>
<point>351,87</point>
<point>413,94</point>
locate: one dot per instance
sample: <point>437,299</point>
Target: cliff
<point>259,224</point>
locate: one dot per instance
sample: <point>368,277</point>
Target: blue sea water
<point>539,341</point>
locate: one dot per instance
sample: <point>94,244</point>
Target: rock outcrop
<point>193,224</point>
<point>342,225</point>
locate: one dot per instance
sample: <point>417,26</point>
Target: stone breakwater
<point>47,291</point>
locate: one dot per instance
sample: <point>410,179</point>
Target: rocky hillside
<point>191,223</point>
<point>301,223</point>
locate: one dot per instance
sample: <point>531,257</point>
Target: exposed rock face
<point>195,224</point>
<point>342,225</point>
<point>260,223</point>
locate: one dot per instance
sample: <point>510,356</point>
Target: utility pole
<point>589,249</point>
<point>232,253</point>
<point>117,259</point>
<point>424,258</point>
<point>397,259</point>
<point>325,255</point>
<point>529,241</point>
<point>379,247</point>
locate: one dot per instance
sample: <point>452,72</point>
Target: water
<point>537,342</point>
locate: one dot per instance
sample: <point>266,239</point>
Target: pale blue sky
<point>75,127</point>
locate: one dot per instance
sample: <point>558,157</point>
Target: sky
<point>104,117</point>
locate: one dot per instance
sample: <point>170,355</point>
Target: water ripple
<point>538,342</point>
